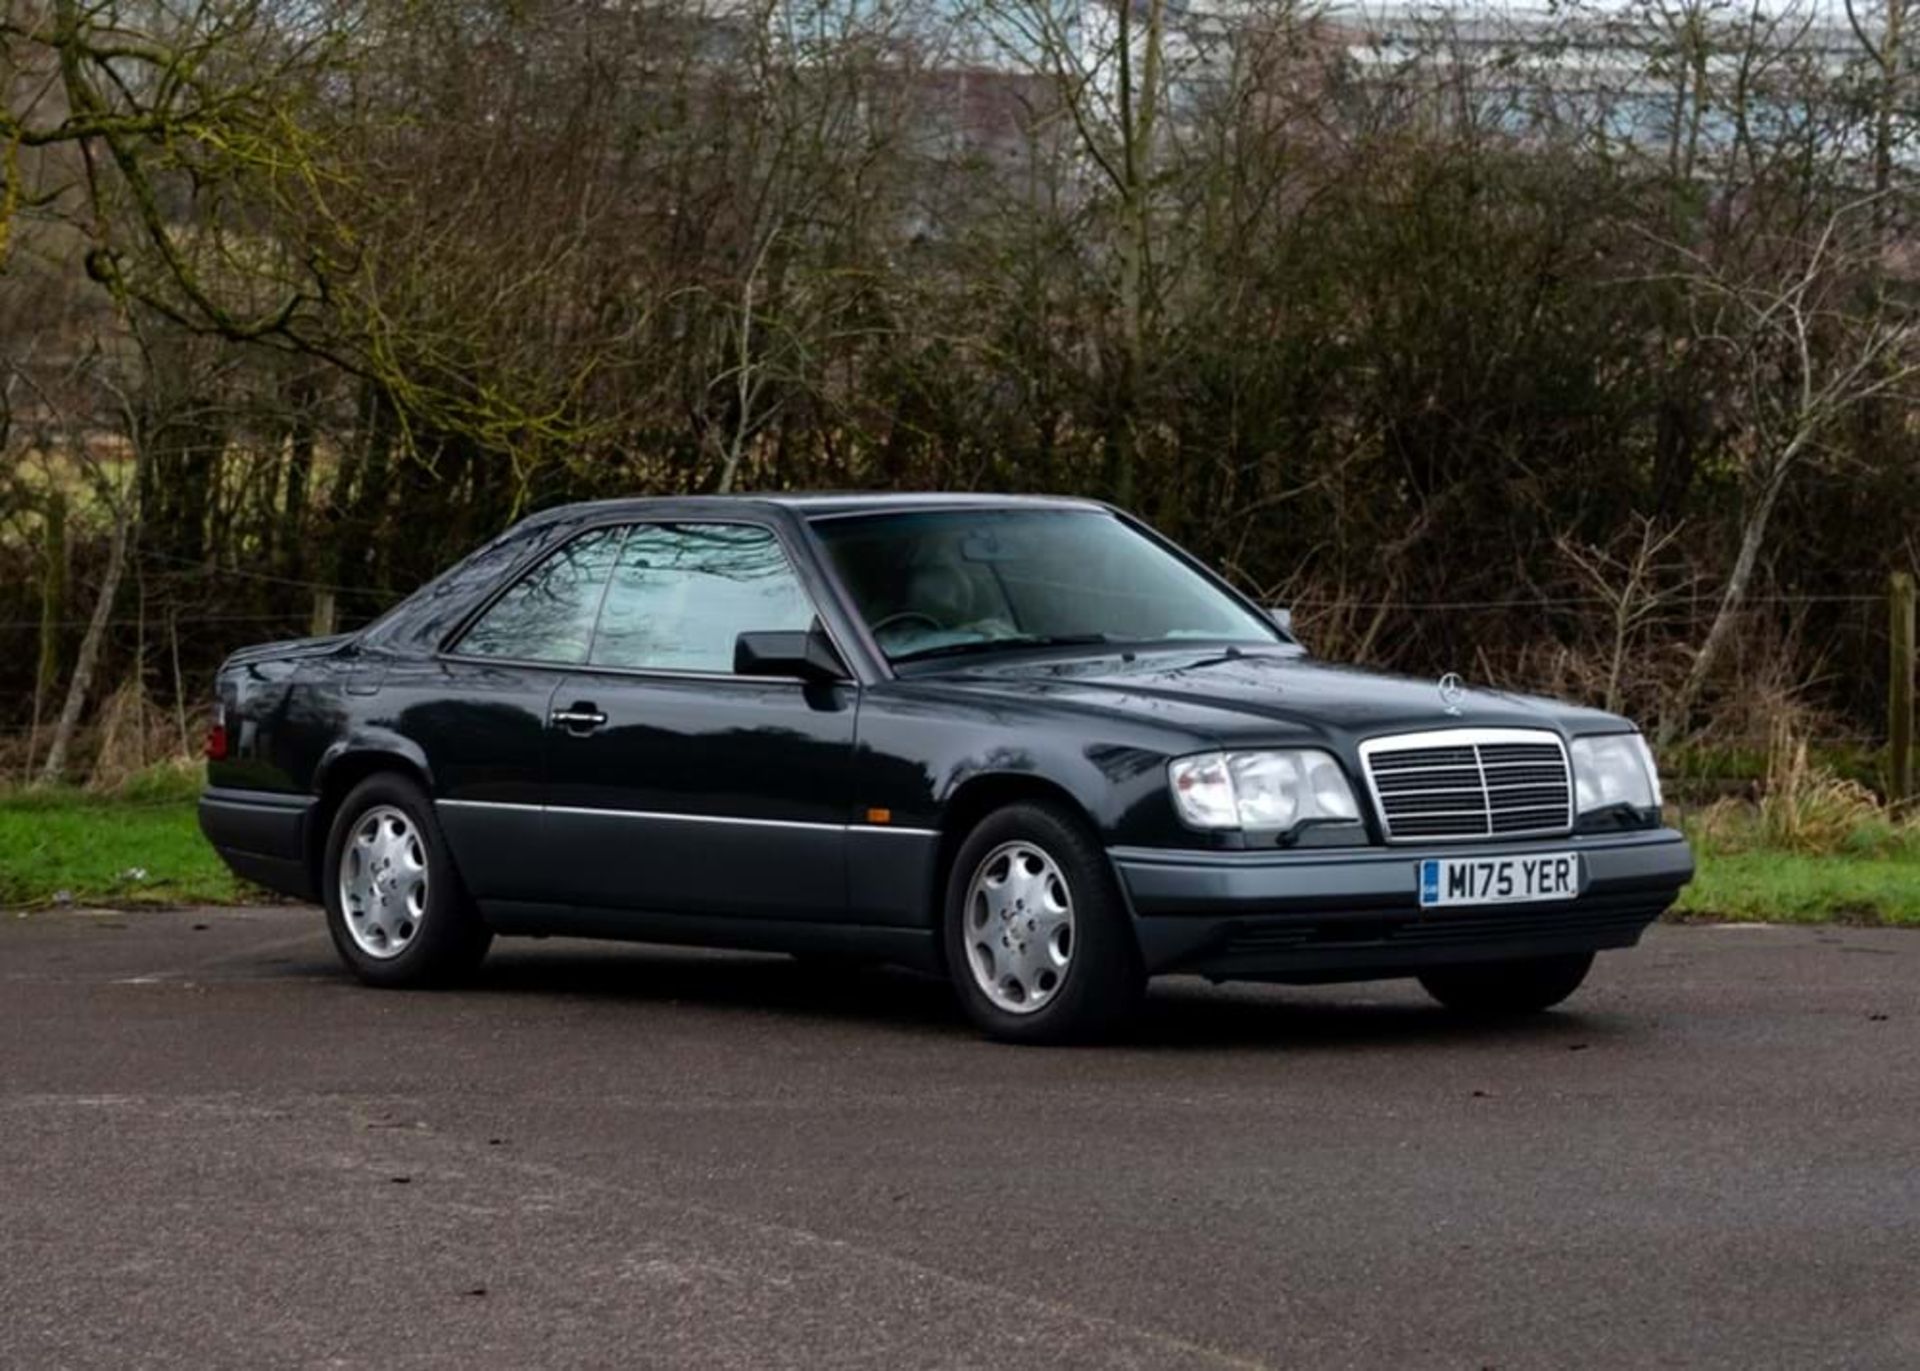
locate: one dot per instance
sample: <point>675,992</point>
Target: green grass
<point>1821,850</point>
<point>1795,887</point>
<point>142,846</point>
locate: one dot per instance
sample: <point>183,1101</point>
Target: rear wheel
<point>1037,939</point>
<point>395,906</point>
<point>1504,988</point>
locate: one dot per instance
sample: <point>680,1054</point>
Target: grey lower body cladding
<point>1333,914</point>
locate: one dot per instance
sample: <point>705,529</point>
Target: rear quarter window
<point>425,618</point>
<point>548,614</point>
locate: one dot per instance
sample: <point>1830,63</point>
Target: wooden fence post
<point>323,613</point>
<point>1900,668</point>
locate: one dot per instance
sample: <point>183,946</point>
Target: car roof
<point>823,504</point>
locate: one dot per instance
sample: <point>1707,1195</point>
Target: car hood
<point>1266,694</point>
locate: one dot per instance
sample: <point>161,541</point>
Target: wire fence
<point>265,577</point>
<point>1642,622</point>
<point>1704,761</point>
<point>1706,603</point>
<point>161,621</point>
<point>1550,601</point>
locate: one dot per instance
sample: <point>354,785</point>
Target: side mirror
<point>1282,616</point>
<point>806,655</point>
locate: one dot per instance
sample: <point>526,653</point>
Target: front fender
<point>921,747</point>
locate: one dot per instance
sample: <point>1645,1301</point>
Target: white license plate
<point>1499,880</point>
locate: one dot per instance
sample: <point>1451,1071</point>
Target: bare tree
<point>1886,50</point>
<point>1635,582</point>
<point>120,499</point>
<point>1381,310</point>
<point>1803,345</point>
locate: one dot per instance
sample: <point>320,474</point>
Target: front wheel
<point>1037,939</point>
<point>1507,988</point>
<point>395,906</point>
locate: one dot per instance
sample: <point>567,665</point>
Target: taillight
<point>216,748</point>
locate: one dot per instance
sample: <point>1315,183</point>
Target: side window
<point>682,593</point>
<point>548,614</point>
<point>425,617</point>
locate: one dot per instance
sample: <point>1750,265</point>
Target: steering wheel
<point>902,616</point>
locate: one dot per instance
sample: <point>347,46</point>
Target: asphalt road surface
<point>215,1149</point>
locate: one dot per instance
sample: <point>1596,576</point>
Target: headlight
<point>1616,769</point>
<point>1261,790</point>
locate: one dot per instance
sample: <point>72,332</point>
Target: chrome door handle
<point>580,718</point>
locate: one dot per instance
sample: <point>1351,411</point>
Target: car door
<point>678,787</point>
<point>480,714</point>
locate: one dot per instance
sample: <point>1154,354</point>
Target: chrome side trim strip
<point>687,818</point>
<point>588,811</point>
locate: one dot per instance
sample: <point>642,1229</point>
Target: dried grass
<point>133,734</point>
<point>1805,808</point>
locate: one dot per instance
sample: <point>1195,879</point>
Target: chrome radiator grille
<point>1459,783</point>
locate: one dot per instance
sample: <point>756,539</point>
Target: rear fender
<point>352,755</point>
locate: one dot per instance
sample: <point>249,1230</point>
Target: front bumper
<point>1335,914</point>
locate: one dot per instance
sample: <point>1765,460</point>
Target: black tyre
<point>397,911</point>
<point>1494,989</point>
<point>1037,938</point>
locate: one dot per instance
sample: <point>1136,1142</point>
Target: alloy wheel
<point>383,882</point>
<point>1019,927</point>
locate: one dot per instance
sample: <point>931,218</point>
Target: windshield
<point>953,582</point>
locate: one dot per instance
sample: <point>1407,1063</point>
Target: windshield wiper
<point>1004,644</point>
